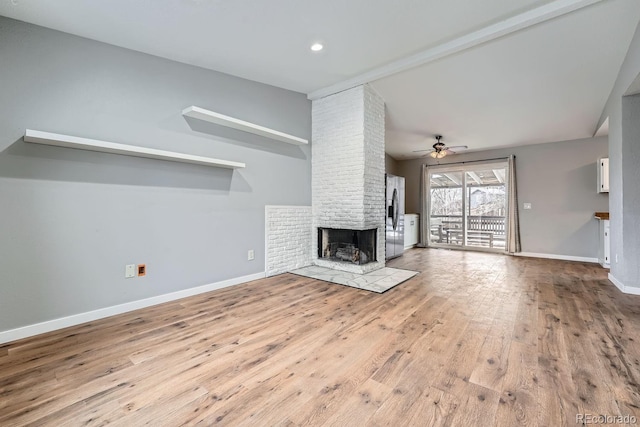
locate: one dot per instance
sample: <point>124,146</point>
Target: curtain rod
<point>470,161</point>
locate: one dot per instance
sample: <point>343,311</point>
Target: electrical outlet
<point>129,271</point>
<point>142,270</point>
<point>250,255</point>
<point>526,205</point>
<point>616,258</point>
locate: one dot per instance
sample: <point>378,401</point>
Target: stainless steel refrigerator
<point>395,216</point>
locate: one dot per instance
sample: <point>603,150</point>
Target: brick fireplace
<point>347,177</point>
<point>348,192</point>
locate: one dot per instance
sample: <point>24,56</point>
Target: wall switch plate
<point>129,271</point>
<point>250,255</point>
<point>526,205</point>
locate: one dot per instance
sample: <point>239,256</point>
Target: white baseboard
<point>632,290</point>
<point>554,256</point>
<point>76,319</point>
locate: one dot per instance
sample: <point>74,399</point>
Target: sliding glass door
<point>468,206</point>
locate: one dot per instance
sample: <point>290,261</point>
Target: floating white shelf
<point>48,138</point>
<point>221,119</point>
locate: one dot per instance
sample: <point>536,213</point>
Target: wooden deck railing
<point>487,231</point>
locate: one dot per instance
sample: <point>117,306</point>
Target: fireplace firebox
<point>350,246</point>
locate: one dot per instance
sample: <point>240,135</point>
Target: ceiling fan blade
<point>457,148</point>
<point>423,151</point>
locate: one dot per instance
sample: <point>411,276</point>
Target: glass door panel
<point>486,207</point>
<point>446,209</point>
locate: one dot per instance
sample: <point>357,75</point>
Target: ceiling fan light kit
<point>438,154</point>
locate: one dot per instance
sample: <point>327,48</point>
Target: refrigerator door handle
<point>396,207</point>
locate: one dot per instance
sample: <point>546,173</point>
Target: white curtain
<point>513,233</point>
<point>424,212</point>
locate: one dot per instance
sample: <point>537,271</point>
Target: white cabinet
<point>603,175</point>
<point>410,230</point>
<point>604,251</point>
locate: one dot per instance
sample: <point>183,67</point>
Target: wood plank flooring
<point>474,339</point>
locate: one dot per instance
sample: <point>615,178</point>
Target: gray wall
<point>558,179</point>
<point>71,219</point>
<point>623,173</point>
<point>391,165</point>
<point>631,190</point>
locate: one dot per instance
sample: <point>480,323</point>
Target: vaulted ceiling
<point>485,74</point>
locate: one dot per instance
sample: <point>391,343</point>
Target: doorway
<point>467,206</point>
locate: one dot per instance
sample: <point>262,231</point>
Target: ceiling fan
<point>440,150</point>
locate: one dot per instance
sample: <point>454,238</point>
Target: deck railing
<point>487,231</point>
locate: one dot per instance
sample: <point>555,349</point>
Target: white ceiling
<point>546,82</point>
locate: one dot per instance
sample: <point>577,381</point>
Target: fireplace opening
<point>352,246</point>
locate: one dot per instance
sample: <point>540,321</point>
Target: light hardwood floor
<point>474,339</point>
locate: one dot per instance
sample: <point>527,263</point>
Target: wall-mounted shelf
<point>67,141</point>
<point>231,122</point>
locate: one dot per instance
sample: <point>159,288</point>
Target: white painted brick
<point>347,175</point>
<point>288,238</point>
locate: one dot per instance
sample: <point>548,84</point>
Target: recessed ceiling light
<point>316,47</point>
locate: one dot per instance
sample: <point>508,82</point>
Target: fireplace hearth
<point>347,246</point>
